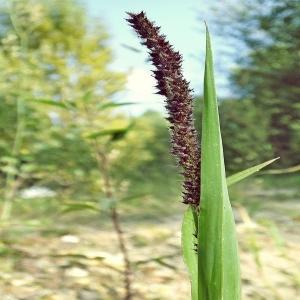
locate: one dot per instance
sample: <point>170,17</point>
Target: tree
<point>54,72</point>
<point>266,36</point>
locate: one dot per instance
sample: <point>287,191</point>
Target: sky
<point>182,22</point>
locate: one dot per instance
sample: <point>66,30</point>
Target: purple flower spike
<point>172,85</point>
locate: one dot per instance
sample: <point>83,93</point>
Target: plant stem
<point>122,244</point>
<point>103,164</point>
<point>11,183</point>
<point>115,217</point>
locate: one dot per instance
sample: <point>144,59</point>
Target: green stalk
<point>11,183</point>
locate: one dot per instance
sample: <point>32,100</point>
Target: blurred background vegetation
<point>69,154</point>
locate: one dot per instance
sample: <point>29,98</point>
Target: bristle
<point>172,85</point>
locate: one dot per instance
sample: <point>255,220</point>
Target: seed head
<point>179,102</point>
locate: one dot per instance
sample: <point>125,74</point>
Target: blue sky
<point>181,21</point>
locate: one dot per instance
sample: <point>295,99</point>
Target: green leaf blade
<point>115,134</point>
<point>248,172</point>
<point>50,102</point>
<point>218,261</point>
<point>79,206</point>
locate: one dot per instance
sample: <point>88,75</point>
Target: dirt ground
<point>84,263</point>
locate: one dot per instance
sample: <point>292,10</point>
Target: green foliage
<point>272,74</point>
<point>114,133</point>
<point>79,206</point>
<point>55,93</point>
<point>244,138</point>
<point>58,112</point>
<point>248,172</point>
<point>268,76</point>
<point>145,160</point>
<point>56,88</point>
